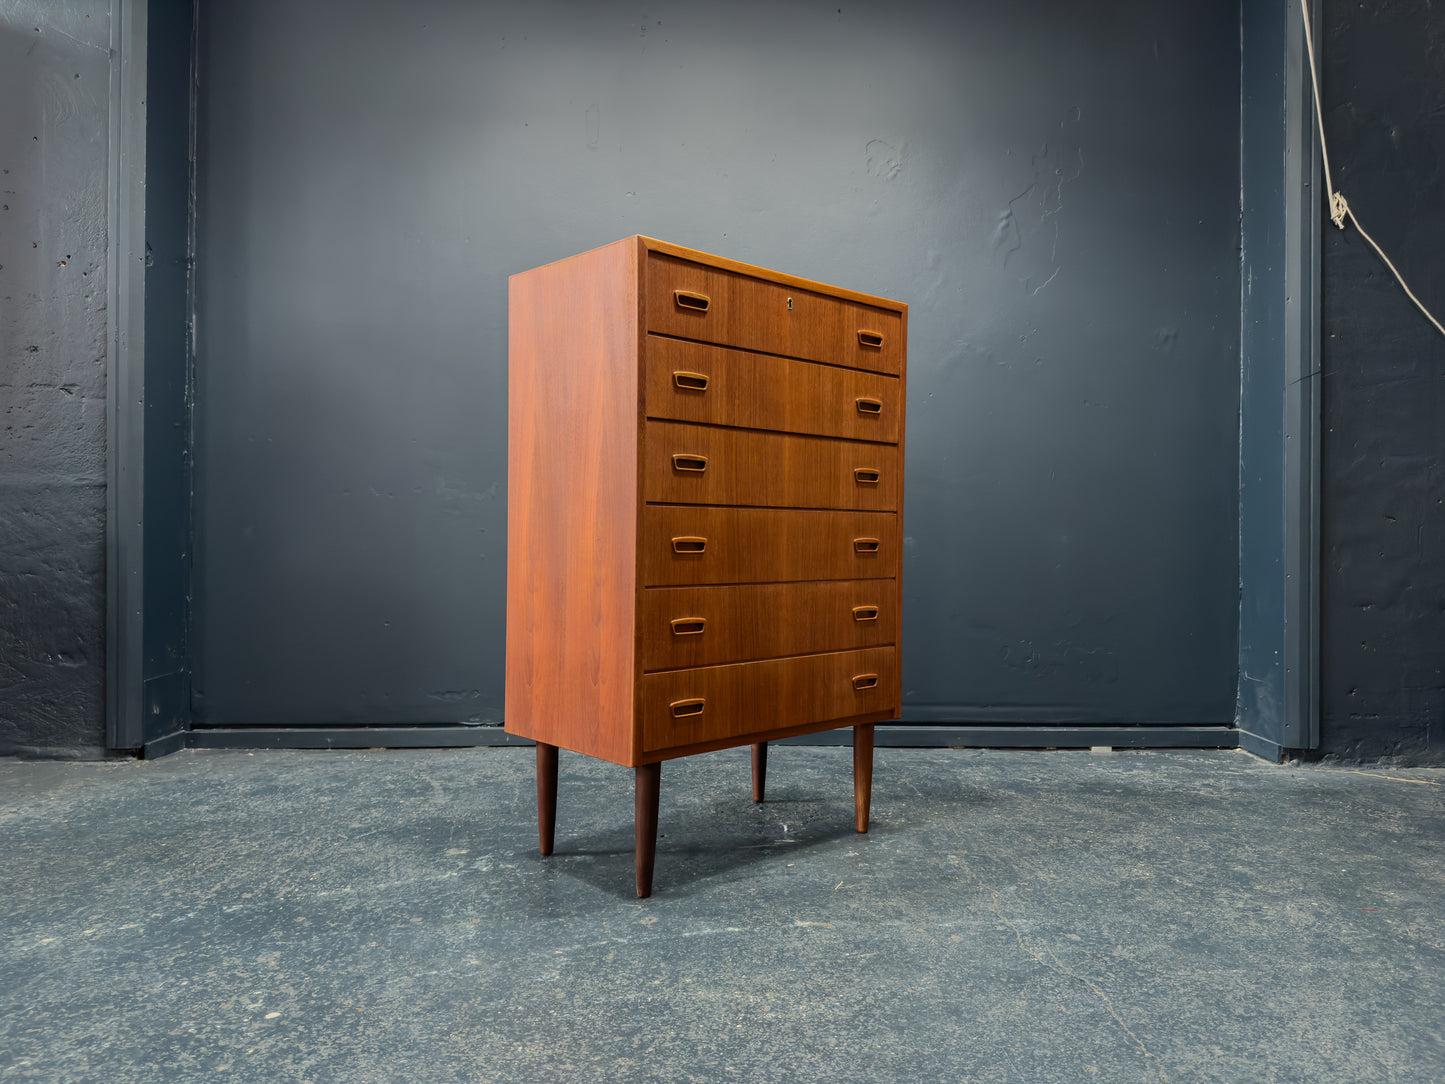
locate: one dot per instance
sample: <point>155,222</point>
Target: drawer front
<point>693,464</point>
<point>683,707</point>
<point>696,302</point>
<point>704,626</point>
<point>682,545</point>
<point>697,383</point>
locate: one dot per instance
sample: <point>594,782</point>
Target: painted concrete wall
<point>1054,188</point>
<point>1383,527</point>
<point>55,89</point>
<point>1382,615</point>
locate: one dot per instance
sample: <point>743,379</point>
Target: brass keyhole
<point>790,304</point>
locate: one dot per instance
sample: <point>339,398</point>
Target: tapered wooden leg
<point>862,774</point>
<point>546,795</point>
<point>760,769</point>
<point>649,785</point>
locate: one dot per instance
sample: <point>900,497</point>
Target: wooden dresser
<point>705,486</point>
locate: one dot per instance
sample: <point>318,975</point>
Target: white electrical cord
<point>1339,209</point>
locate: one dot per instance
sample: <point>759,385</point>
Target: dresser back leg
<point>760,769</point>
<point>649,786</point>
<point>862,774</point>
<point>546,795</point>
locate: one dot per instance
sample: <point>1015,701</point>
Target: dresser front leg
<point>760,769</point>
<point>862,774</point>
<point>649,786</point>
<point>546,795</point>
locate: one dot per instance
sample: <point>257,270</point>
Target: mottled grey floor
<point>1013,916</point>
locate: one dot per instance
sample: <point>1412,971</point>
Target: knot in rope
<point>1338,209</point>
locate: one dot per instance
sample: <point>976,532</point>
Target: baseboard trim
<point>903,736</point>
<point>887,735</point>
<point>164,747</point>
<point>349,737</point>
<point>1261,747</point>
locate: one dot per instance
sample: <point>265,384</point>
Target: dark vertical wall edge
<point>1312,379</point>
<point>125,411</point>
<point>1313,227</point>
<point>148,499</point>
<point>1260,703</point>
<point>1279,383</point>
<point>168,262</point>
<point>1303,188</point>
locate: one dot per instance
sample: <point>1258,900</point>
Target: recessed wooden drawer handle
<point>866,476</point>
<point>684,461</point>
<point>871,338</point>
<point>689,544</point>
<point>681,709</point>
<point>870,406</point>
<point>687,299</point>
<point>862,545</point>
<point>692,381</point>
<point>865,613</point>
<point>862,681</point>
<point>688,626</point>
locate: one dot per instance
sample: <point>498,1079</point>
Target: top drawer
<point>691,301</point>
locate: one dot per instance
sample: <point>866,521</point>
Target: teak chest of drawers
<point>705,485</point>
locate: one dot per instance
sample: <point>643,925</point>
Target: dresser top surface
<point>722,263</point>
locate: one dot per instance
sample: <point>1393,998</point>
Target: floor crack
<point>1376,775</point>
<point>1062,970</point>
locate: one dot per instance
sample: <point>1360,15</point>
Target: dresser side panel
<point>572,500</point>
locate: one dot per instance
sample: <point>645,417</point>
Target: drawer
<point>694,464</point>
<point>679,545</point>
<point>696,302</point>
<point>697,383</point>
<point>683,707</point>
<point>703,626</point>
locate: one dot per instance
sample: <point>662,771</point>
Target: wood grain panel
<point>755,314</point>
<point>572,491</point>
<point>756,391</point>
<point>695,464</point>
<point>715,744</point>
<point>763,621</point>
<point>757,545</point>
<point>692,255</point>
<point>758,697</point>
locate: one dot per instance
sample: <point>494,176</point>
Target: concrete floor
<point>1012,916</point>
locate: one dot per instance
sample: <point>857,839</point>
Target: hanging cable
<point>1339,208</point>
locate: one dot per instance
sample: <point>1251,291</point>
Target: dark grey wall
<point>1053,188</point>
<point>1383,624</point>
<point>965,106</point>
<point>55,86</point>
